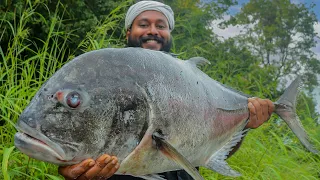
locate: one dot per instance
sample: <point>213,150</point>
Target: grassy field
<point>269,152</point>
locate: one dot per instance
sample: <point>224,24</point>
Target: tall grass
<point>21,77</point>
<point>264,154</point>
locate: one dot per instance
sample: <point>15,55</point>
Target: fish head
<point>81,113</point>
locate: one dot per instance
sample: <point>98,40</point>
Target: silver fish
<point>155,112</point>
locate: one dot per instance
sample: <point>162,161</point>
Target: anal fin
<point>170,152</point>
<point>217,161</point>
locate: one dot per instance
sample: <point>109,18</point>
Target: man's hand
<point>260,111</point>
<point>104,167</point>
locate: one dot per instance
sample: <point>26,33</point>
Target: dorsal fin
<point>198,61</point>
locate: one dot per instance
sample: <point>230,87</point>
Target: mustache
<point>152,37</point>
<point>137,42</point>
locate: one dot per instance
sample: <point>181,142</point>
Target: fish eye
<point>73,99</point>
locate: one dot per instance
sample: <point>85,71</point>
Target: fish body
<point>114,100</point>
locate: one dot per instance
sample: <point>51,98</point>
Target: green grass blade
<point>5,160</point>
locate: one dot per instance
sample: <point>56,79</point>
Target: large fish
<point>156,113</point>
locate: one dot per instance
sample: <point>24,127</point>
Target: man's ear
<point>128,34</point>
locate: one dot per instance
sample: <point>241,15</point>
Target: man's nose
<point>153,30</point>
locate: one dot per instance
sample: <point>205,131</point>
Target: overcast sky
<point>232,31</point>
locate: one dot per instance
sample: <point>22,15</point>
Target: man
<point>149,25</point>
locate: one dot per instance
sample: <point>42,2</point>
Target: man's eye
<point>143,25</point>
<point>161,26</point>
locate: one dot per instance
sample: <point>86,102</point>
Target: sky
<point>235,30</point>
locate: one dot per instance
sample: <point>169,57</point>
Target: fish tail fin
<point>285,107</point>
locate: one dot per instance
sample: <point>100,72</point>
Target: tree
<point>281,34</point>
<point>191,35</point>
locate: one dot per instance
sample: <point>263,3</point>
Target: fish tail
<point>285,107</point>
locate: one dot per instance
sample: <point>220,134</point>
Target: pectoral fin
<point>170,152</point>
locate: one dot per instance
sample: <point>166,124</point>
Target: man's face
<point>150,30</point>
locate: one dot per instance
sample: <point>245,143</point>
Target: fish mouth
<point>37,145</point>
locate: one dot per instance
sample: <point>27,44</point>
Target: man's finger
<point>113,170</point>
<point>95,170</point>
<point>111,167</point>
<point>270,107</point>
<point>264,110</point>
<point>252,115</point>
<point>74,171</point>
<point>258,109</point>
<point>251,107</point>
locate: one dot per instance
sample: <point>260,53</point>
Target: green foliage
<point>76,18</point>
<point>38,37</point>
<point>191,35</point>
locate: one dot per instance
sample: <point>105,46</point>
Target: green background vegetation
<point>38,37</point>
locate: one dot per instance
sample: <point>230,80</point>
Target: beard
<point>137,42</point>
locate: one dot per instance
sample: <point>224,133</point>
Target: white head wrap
<point>142,6</point>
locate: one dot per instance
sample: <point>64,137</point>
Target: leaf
<point>5,159</point>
